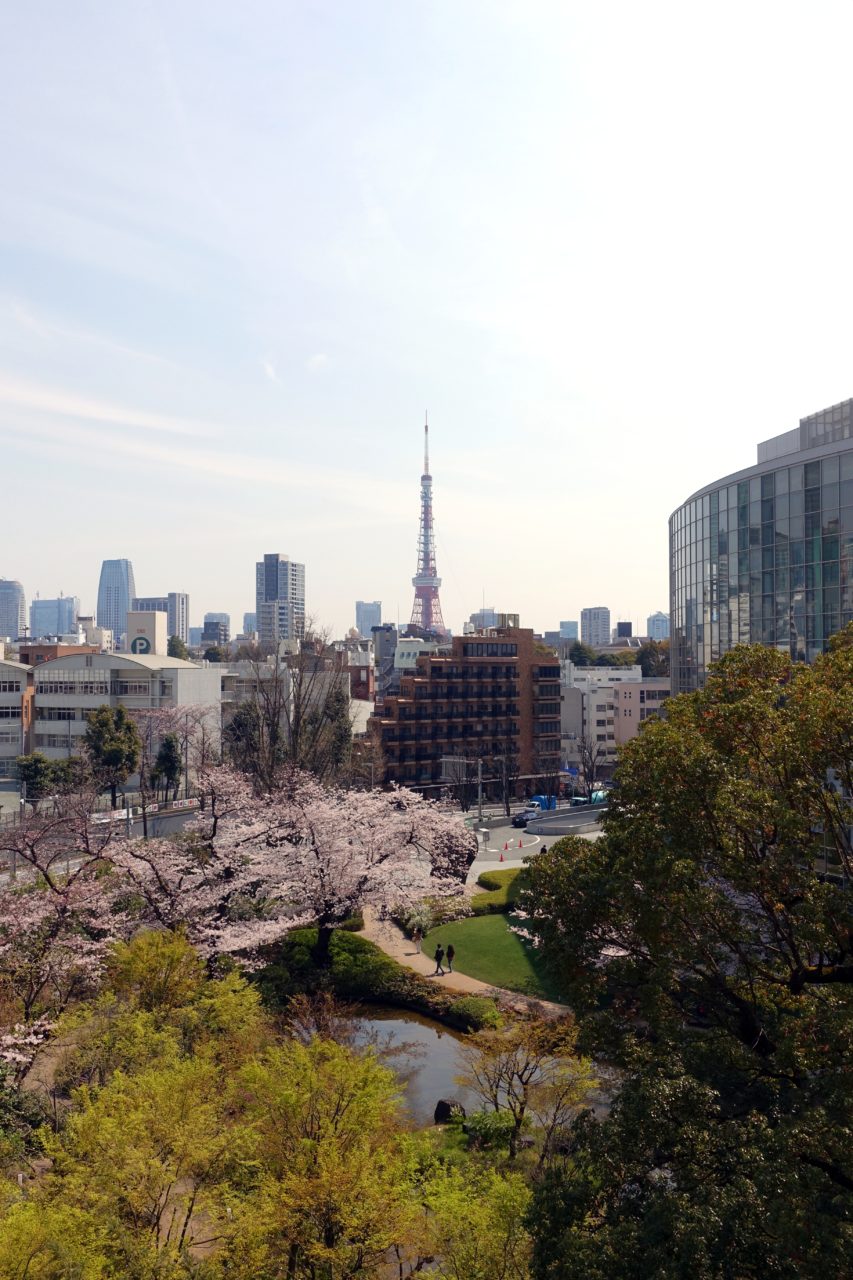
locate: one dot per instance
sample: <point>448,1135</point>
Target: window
<point>10,713</point>
<point>10,686</point>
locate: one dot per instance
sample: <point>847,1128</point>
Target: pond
<point>423,1052</point>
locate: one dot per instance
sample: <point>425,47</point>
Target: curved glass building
<point>766,555</point>
<point>116,589</point>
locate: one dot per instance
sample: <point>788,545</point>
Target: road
<point>502,849</point>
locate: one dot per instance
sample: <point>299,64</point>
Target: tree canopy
<point>113,746</point>
<point>707,944</point>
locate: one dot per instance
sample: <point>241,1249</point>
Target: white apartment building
<point>605,706</point>
<point>67,688</point>
<point>14,714</point>
<point>595,626</point>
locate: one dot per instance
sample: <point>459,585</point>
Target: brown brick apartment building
<point>496,694</point>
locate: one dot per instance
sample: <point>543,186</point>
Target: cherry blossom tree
<point>251,867</point>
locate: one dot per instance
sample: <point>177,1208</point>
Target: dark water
<point>423,1052</point>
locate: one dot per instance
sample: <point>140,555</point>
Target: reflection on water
<point>422,1052</point>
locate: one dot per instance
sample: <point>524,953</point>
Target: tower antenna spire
<point>426,611</point>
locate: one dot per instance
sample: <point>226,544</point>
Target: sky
<point>245,247</point>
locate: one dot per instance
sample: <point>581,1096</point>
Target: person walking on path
<point>451,952</point>
<point>439,956</point>
<point>417,937</point>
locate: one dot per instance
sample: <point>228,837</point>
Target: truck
<point>533,808</point>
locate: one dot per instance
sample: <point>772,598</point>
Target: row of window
<point>10,686</point>
<point>10,713</point>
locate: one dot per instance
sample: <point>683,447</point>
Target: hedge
<point>360,972</point>
<point>502,890</point>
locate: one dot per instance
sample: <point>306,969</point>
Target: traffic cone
<point>502,857</point>
<point>520,845</point>
<point>506,844</point>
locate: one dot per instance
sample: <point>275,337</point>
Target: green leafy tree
<point>706,943</point>
<point>582,655</point>
<point>113,747</point>
<point>215,653</point>
<point>653,658</point>
<point>168,766</point>
<point>37,774</point>
<point>177,649</point>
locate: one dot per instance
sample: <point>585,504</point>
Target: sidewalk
<point>391,939</point>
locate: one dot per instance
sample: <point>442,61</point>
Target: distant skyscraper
<point>116,589</point>
<point>250,623</point>
<point>483,619</point>
<point>657,626</point>
<point>13,609</point>
<point>195,637</point>
<point>368,614</point>
<point>622,631</point>
<point>176,606</point>
<point>224,618</point>
<point>279,599</point>
<point>595,626</point>
<point>54,617</point>
<point>568,630</point>
<point>426,610</point>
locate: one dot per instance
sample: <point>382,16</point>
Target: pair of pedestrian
<point>439,960</point>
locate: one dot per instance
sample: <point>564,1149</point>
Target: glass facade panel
<point>768,558</point>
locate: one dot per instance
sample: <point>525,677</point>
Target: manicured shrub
<point>502,890</point>
<point>480,1012</point>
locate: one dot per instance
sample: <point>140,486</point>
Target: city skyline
<point>240,258</point>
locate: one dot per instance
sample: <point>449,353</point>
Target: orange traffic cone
<point>502,857</point>
<point>506,844</point>
<point>520,845</point>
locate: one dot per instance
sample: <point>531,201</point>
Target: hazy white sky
<point>244,246</point>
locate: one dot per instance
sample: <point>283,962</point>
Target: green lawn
<point>486,949</point>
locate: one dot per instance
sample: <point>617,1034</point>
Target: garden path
<point>391,939</point>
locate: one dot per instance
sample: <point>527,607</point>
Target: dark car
<point>522,818</point>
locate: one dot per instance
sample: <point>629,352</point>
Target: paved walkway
<point>393,941</point>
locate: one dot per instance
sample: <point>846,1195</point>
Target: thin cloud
<point>318,362</point>
<point>269,369</point>
<point>67,404</point>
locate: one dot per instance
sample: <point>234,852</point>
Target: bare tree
<point>461,780</point>
<point>592,758</point>
<point>296,712</point>
<point>505,771</point>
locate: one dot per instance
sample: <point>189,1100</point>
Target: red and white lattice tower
<point>426,611</point>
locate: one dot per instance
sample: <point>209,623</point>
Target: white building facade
<point>67,689</point>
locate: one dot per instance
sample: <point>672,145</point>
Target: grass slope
<point>487,949</point>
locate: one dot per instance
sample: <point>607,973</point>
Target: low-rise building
<point>68,688</point>
<point>15,714</point>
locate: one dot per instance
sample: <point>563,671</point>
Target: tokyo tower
<point>426,611</point>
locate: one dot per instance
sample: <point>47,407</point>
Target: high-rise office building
<point>765,556</point>
<point>657,626</point>
<point>13,609</point>
<point>175,605</point>
<point>569,630</point>
<point>279,599</point>
<point>595,626</point>
<point>622,631</point>
<point>368,614</point>
<point>250,624</point>
<point>54,617</point>
<point>116,589</point>
<point>483,618</point>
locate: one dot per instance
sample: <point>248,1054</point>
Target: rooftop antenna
<point>426,443</point>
